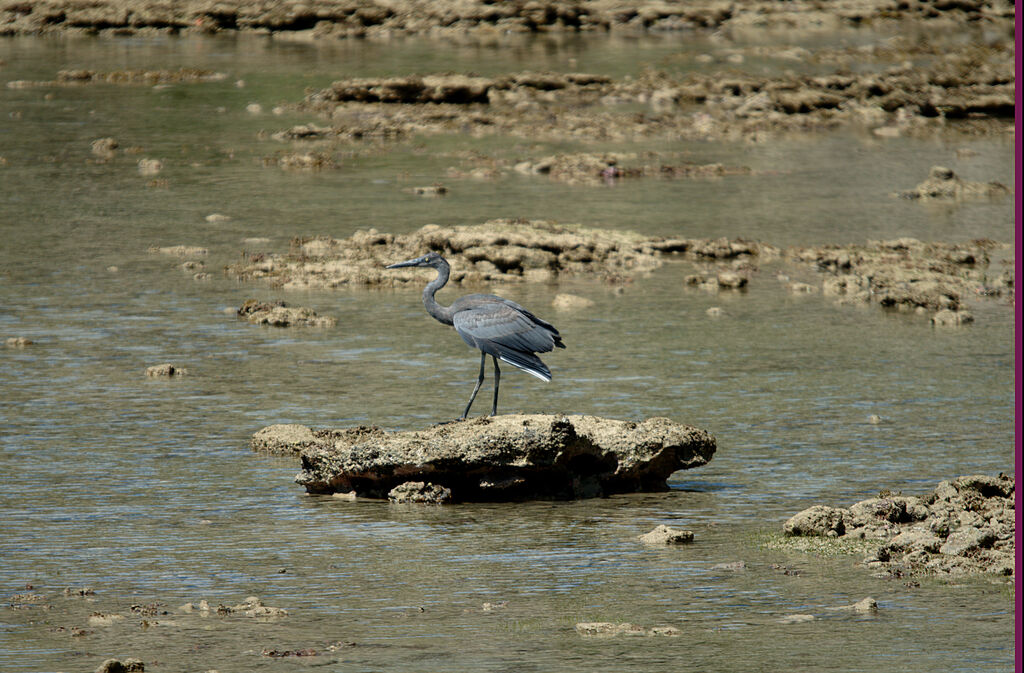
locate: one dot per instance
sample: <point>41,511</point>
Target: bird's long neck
<point>441,313</point>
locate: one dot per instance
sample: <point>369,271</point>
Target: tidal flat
<point>794,233</point>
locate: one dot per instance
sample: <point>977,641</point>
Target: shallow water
<point>145,489</point>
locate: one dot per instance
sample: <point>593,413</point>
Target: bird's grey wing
<point>502,326</point>
<point>506,334</point>
<point>543,323</point>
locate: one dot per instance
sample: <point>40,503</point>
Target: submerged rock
<point>166,370</point>
<point>117,666</point>
<point>279,314</point>
<point>867,606</point>
<point>570,302</point>
<point>624,629</point>
<point>430,191</point>
<point>664,535</point>
<point>731,566</point>
<point>302,161</point>
<point>502,458</point>
<point>149,167</point>
<point>179,250</point>
<point>730,280</point>
<point>105,618</point>
<point>965,525</point>
<point>943,183</point>
<point>947,318</point>
<point>420,491</point>
<point>104,148</point>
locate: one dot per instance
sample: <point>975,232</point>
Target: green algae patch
<point>823,547</point>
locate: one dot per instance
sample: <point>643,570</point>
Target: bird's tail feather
<point>528,362</point>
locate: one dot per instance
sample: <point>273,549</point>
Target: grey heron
<point>497,327</point>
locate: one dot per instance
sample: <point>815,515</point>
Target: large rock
<point>514,457</point>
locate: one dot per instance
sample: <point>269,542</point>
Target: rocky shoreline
<point>966,525</point>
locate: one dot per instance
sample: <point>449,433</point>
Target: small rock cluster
<point>251,607</point>
<point>586,167</point>
<point>609,629</point>
<point>964,525</point>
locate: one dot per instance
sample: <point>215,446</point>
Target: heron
<point>496,326</point>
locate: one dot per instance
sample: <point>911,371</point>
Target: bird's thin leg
<point>497,378</point>
<point>483,361</point>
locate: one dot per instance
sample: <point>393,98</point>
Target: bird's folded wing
<point>504,326</point>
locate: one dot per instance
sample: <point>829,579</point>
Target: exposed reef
<point>327,19</point>
<point>910,275</point>
<point>973,89</point>
<point>496,251</point>
<point>936,279</point>
<point>141,77</point>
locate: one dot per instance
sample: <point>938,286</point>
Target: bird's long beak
<point>411,262</point>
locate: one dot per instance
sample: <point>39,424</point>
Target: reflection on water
<point>144,489</point>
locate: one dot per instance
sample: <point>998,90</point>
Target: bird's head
<point>430,259</point>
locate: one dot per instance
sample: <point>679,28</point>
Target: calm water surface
<point>145,490</point>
